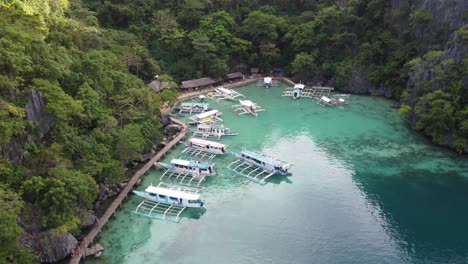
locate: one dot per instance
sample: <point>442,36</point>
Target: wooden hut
<point>254,71</point>
<point>158,86</point>
<point>235,76</point>
<point>197,83</point>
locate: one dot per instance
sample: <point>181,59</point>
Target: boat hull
<point>265,168</point>
<point>156,199</point>
<point>211,151</point>
<point>187,171</point>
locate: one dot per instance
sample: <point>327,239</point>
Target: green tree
<point>130,143</point>
<point>435,111</point>
<point>11,205</point>
<point>62,194</point>
<point>304,66</point>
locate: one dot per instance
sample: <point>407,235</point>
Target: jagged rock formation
<point>172,129</point>
<point>89,219</point>
<point>35,112</point>
<point>50,247</point>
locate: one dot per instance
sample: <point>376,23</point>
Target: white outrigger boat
<point>166,202</point>
<point>267,82</point>
<point>221,93</point>
<point>339,99</point>
<point>297,91</point>
<point>247,107</point>
<point>258,167</point>
<point>325,101</point>
<point>207,146</point>
<point>206,117</point>
<point>195,169</point>
<point>192,107</point>
<point>212,130</point>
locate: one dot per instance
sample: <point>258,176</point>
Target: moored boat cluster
<point>180,184</point>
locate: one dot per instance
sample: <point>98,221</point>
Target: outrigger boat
<point>171,196</point>
<point>313,92</point>
<point>206,117</point>
<point>167,203</point>
<point>206,146</point>
<point>267,82</point>
<point>247,107</point>
<point>212,130</point>
<point>192,107</point>
<point>258,167</point>
<point>325,101</point>
<point>297,91</point>
<point>195,169</point>
<point>223,93</point>
<point>339,99</point>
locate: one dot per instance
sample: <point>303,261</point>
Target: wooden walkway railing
<point>89,238</point>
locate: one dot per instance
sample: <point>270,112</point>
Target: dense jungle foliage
<point>89,60</point>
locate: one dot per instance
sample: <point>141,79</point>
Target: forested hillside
<point>75,110</point>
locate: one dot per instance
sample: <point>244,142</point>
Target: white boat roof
<point>180,162</point>
<point>224,90</point>
<point>200,141</point>
<point>203,126</point>
<point>172,193</point>
<point>267,79</point>
<point>266,159</point>
<point>201,96</point>
<point>326,99</point>
<point>207,114</point>
<point>299,86</point>
<point>342,100</point>
<point>246,103</point>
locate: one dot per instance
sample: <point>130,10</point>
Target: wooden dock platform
<point>89,238</point>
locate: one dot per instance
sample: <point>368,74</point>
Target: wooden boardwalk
<point>88,239</point>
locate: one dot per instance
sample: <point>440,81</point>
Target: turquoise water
<point>365,189</point>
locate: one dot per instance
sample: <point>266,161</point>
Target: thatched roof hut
<point>197,83</point>
<point>234,75</point>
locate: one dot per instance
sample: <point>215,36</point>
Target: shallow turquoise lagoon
<point>365,189</point>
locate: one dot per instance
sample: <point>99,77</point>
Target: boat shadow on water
<point>193,213</point>
<point>276,180</point>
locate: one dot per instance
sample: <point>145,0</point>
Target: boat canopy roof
<point>192,104</point>
<point>207,114</point>
<point>190,163</point>
<point>267,79</point>
<point>299,86</point>
<point>172,193</point>
<point>246,103</point>
<point>224,90</point>
<point>204,142</point>
<point>204,126</point>
<point>326,99</point>
<point>266,159</point>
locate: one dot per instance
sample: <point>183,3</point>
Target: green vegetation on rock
<point>75,110</point>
